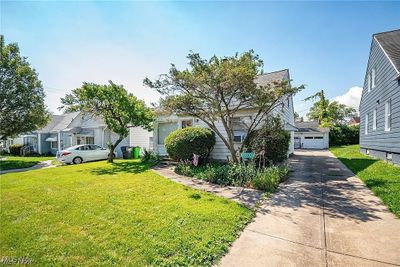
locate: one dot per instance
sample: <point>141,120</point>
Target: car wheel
<point>77,160</point>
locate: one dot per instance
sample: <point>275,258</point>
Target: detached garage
<point>311,136</point>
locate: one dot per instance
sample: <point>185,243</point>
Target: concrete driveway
<point>322,216</point>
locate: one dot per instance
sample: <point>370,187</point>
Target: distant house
<point>67,130</point>
<point>380,101</point>
<point>166,123</point>
<point>354,121</point>
<point>310,136</point>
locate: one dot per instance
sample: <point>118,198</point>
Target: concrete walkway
<point>246,196</point>
<point>40,165</point>
<point>322,216</point>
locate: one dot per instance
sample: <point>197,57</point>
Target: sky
<point>325,45</point>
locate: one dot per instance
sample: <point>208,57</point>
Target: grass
<point>381,177</point>
<point>17,162</point>
<point>98,214</point>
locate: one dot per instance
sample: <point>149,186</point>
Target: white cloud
<point>351,98</point>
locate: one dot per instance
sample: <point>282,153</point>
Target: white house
<point>310,136</point>
<point>166,123</point>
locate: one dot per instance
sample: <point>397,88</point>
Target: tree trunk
<point>112,147</point>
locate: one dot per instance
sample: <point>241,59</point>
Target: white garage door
<point>316,142</point>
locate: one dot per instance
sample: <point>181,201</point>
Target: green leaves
<point>328,113</point>
<point>22,107</point>
<point>218,88</point>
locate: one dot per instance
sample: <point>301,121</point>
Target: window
<point>366,124</point>
<point>187,123</point>
<point>53,145</point>
<point>318,137</point>
<point>388,115</point>
<point>369,82</point>
<point>164,129</point>
<point>373,78</point>
<point>239,129</point>
<point>374,122</point>
<point>308,137</point>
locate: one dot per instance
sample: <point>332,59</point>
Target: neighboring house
<point>380,100</point>
<point>310,136</point>
<point>166,123</point>
<point>68,130</point>
<point>354,121</point>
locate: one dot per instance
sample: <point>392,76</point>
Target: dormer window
<point>373,78</point>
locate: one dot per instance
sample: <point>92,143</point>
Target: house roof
<point>59,122</point>
<point>390,43</point>
<point>310,127</point>
<point>270,77</point>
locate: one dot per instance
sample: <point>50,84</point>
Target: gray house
<point>380,101</point>
<point>66,130</point>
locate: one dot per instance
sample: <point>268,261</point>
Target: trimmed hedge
<point>181,144</point>
<point>16,149</point>
<point>342,134</point>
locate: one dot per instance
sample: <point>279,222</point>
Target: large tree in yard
<point>22,107</point>
<point>216,89</point>
<point>328,113</point>
<point>119,109</point>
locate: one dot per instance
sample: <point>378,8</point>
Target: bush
<point>272,140</point>
<point>150,157</point>
<point>269,178</point>
<point>16,149</point>
<point>342,134</point>
<point>243,175</point>
<point>181,144</point>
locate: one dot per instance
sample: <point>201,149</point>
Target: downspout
<point>39,143</point>
<point>59,140</point>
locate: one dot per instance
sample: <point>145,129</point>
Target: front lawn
<point>8,162</point>
<point>382,178</point>
<point>122,214</point>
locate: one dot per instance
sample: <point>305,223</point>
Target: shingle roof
<point>309,127</point>
<point>390,43</point>
<point>59,122</point>
<point>269,78</point>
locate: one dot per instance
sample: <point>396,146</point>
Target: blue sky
<point>325,45</point>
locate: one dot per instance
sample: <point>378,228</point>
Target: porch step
<point>168,162</point>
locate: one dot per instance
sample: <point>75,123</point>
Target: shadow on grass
<point>121,167</point>
<point>16,164</point>
<point>357,165</point>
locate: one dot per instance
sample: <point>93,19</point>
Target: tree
<point>22,107</point>
<point>119,109</point>
<point>328,113</point>
<point>215,90</point>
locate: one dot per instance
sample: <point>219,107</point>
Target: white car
<point>82,153</point>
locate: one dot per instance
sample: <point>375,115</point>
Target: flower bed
<point>244,175</point>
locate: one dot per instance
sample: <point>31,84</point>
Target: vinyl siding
<point>387,87</point>
<point>140,137</point>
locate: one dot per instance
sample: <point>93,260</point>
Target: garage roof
<point>310,127</point>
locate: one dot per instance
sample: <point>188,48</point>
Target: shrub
<point>236,175</point>
<point>16,149</point>
<point>181,144</point>
<point>269,178</point>
<point>272,140</point>
<point>342,134</point>
<point>150,157</point>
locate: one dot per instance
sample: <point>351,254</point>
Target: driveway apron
<point>322,216</point>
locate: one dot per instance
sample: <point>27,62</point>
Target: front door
<point>164,129</point>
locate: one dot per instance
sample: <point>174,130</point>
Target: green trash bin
<point>136,152</point>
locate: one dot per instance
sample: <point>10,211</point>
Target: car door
<point>98,152</point>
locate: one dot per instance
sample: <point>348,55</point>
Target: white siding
<point>140,137</point>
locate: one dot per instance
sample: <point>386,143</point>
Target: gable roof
<point>59,122</point>
<point>270,77</point>
<point>310,127</point>
<point>390,43</point>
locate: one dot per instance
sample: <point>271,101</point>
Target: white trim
<point>39,143</point>
<point>59,141</point>
<point>374,120</point>
<point>388,115</point>
<point>366,124</point>
<point>391,62</point>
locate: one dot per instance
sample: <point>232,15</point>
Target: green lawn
<point>16,162</point>
<point>122,214</point>
<point>382,178</point>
